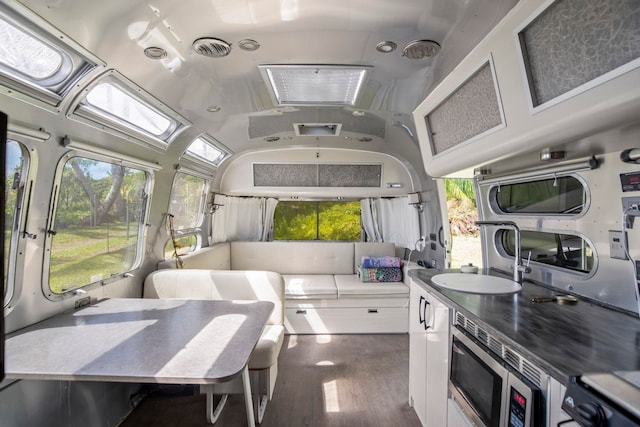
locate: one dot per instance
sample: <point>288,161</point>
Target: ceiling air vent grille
<point>211,47</point>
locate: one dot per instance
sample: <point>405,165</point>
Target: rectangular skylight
<point>204,150</point>
<point>315,84</point>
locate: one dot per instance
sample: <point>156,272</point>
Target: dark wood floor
<point>323,380</point>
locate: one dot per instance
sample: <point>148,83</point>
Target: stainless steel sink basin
<point>476,283</point>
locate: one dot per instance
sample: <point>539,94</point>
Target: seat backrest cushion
<point>294,257</point>
<point>219,285</point>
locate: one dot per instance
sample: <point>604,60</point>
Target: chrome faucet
<point>518,267</point>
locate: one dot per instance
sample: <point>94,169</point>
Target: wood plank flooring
<point>323,380</point>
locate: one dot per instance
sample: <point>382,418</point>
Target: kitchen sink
<point>476,283</point>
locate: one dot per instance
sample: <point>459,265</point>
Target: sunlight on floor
<point>330,392</point>
<point>293,341</point>
<point>323,339</point>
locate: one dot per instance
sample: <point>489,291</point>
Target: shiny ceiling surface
<point>288,31</point>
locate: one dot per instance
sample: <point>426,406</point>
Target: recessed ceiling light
<point>421,49</point>
<point>248,45</point>
<point>386,47</point>
<point>154,52</point>
<point>213,108</point>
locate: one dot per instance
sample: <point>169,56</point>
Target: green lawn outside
<point>81,254</point>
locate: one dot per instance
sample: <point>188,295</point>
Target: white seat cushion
<point>268,348</point>
<point>349,284</point>
<point>308,286</point>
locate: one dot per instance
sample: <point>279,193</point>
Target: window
<point>203,149</point>
<point>183,245</point>
<point>116,102</point>
<point>98,224</point>
<point>317,221</point>
<point>28,55</point>
<point>15,176</point>
<point>563,195</point>
<point>127,110</point>
<point>187,201</point>
<point>561,250</point>
<point>37,63</point>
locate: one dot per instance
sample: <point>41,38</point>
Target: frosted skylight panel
<point>114,101</point>
<point>315,84</point>
<point>26,54</point>
<point>206,151</point>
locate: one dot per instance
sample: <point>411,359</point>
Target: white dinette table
<point>165,341</point>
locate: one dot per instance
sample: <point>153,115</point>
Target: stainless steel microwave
<point>489,393</point>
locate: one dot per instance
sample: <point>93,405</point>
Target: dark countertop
<point>563,340</point>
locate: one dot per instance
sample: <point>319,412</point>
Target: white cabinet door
<point>429,327</point>
<point>437,363</point>
<point>418,350</point>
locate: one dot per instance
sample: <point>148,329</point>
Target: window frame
<point>501,232</point>
<point>207,139</point>
<point>85,112</point>
<point>495,186</point>
<point>76,61</point>
<point>203,201</point>
<point>53,208</point>
<point>17,241</point>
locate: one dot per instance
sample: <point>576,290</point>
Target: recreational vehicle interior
<point>236,213</point>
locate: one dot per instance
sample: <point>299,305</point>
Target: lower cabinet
<point>429,328</point>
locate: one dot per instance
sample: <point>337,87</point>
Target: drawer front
<point>346,320</point>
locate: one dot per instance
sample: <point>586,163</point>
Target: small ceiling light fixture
<point>421,49</point>
<point>386,47</point>
<point>213,108</point>
<point>248,45</point>
<point>211,47</point>
<point>155,52</point>
<point>358,113</point>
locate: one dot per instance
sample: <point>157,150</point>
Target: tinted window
<point>98,223</point>
<point>564,195</point>
<point>560,250</point>
<point>317,221</point>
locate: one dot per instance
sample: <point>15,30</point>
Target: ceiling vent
<point>317,129</point>
<point>211,47</point>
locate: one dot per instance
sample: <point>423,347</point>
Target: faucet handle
<point>525,268</point>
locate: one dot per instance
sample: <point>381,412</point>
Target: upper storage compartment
<point>559,72</point>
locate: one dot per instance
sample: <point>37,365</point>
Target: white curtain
<point>243,219</point>
<point>391,220</point>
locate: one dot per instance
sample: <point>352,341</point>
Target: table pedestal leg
<point>248,401</point>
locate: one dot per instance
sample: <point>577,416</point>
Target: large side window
<point>15,174</point>
<point>556,196</point>
<point>317,220</point>
<point>566,251</point>
<point>186,210</point>
<point>98,225</point>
